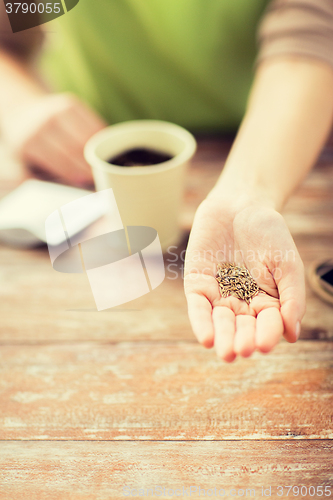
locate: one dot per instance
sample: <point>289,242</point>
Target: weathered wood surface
<point>71,377</point>
<point>165,391</point>
<point>37,304</point>
<point>75,471</point>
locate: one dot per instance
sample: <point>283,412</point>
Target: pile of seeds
<point>237,281</point>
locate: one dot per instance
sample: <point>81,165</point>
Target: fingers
<point>291,288</point>
<point>58,137</point>
<point>292,313</point>
<point>269,329</point>
<point>245,335</point>
<point>224,329</point>
<point>200,315</point>
<point>89,120</point>
<point>53,156</point>
<point>79,124</point>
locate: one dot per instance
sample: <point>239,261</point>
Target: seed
<point>236,281</point>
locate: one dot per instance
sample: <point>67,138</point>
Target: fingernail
<point>298,330</point>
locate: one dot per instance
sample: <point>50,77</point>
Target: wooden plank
<point>39,305</point>
<point>105,470</point>
<point>164,391</point>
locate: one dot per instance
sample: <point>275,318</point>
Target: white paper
<point>23,212</point>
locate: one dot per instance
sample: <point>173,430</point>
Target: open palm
<point>257,238</point>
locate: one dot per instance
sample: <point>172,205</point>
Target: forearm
<point>289,116</point>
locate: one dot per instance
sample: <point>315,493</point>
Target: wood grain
<point>164,391</point>
<point>34,299</point>
<point>75,471</point>
<point>92,401</point>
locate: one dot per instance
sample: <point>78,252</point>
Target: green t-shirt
<point>185,61</point>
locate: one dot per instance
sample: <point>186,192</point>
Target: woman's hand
<point>49,132</point>
<point>255,236</point>
<point>288,119</point>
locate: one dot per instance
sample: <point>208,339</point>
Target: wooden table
<point>92,402</point>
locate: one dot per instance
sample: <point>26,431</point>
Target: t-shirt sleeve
<point>297,27</point>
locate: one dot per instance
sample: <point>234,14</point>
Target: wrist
<point>238,196</point>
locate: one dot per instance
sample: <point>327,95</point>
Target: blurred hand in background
<point>48,134</point>
<point>46,131</point>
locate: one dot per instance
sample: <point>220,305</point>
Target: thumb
<point>291,287</point>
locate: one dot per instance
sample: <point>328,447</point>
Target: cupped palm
<point>257,238</point>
